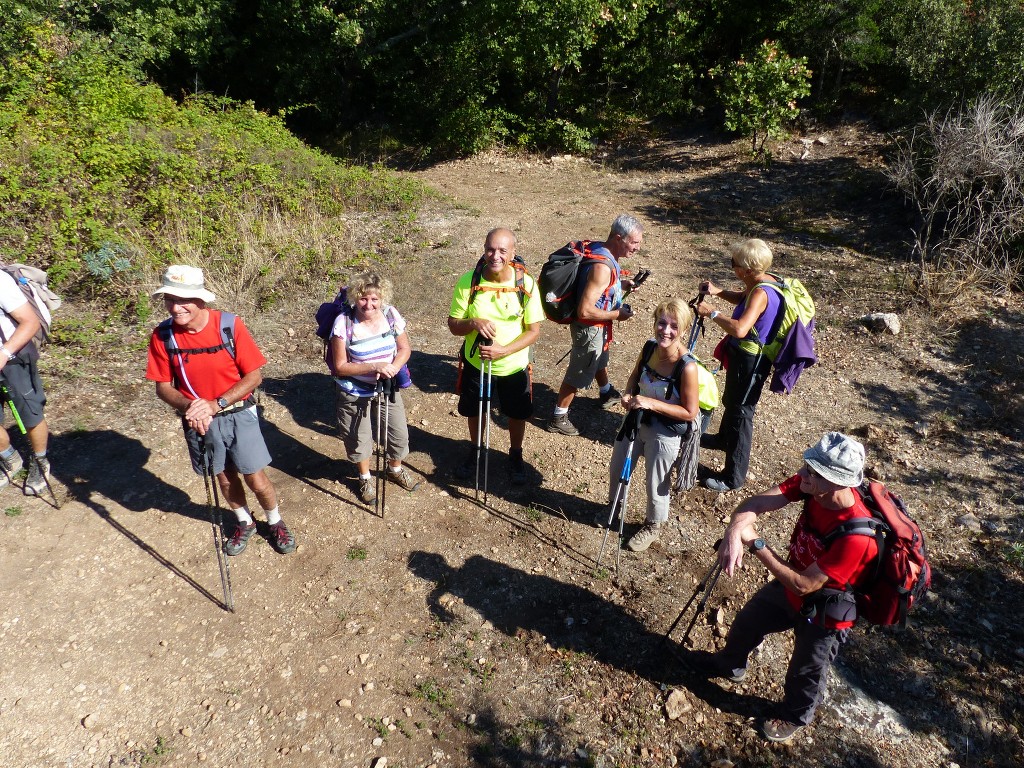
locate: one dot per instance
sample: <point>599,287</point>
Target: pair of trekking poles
<point>483,419</point>
<point>5,399</point>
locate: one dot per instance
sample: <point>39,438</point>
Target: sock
<point>242,513</point>
<point>395,470</point>
<point>364,477</point>
<point>561,411</point>
<point>8,454</point>
<point>273,515</point>
<point>606,388</point>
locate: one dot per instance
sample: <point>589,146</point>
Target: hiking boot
<point>38,476</point>
<point>561,425</point>
<point>239,539</point>
<point>643,538</point>
<point>516,468</point>
<point>404,479</point>
<point>780,730</point>
<point>367,490</point>
<point>610,399</point>
<point>281,538</point>
<point>9,468</point>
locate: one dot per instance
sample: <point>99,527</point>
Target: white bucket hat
<point>184,282</point>
<point>837,458</point>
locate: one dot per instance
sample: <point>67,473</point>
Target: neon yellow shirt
<point>505,310</point>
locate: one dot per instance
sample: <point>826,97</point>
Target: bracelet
<point>714,314</point>
<point>6,351</point>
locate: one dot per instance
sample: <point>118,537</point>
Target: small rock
<point>969,521</point>
<point>377,742</point>
<point>723,763</point>
<point>719,617</point>
<point>89,721</point>
<point>186,731</point>
<point>345,703</point>
<point>882,322</point>
<point>677,704</point>
<point>363,658</point>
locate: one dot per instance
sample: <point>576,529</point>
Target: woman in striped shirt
<point>370,346</point>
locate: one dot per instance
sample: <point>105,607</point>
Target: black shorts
<point>514,393</point>
<point>26,389</point>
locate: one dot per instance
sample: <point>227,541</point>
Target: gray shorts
<point>357,423</point>
<point>588,355</point>
<point>235,439</point>
<point>26,390</point>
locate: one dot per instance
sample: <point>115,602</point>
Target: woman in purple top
<point>746,368</point>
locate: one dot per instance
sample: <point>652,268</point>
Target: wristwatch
<point>757,545</point>
<point>222,403</point>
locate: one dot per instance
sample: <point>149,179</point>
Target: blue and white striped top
<point>369,349</point>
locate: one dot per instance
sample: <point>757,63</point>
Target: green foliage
<point>356,553</point>
<point>106,179</point>
<point>760,93</point>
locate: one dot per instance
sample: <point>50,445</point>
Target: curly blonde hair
<point>751,254</point>
<point>368,282</point>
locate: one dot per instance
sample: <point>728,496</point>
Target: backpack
<point>326,316</point>
<point>707,387</point>
<point>166,335</point>
<point>44,302</point>
<point>560,276</point>
<point>901,574</point>
<point>796,304</point>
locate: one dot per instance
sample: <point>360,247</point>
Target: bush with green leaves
<point>760,93</point>
<point>106,179</point>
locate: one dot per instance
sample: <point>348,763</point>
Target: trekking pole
<point>385,403</point>
<point>698,323</point>
<point>482,413</point>
<point>378,400</point>
<point>487,430</point>
<point>628,428</point>
<point>217,522</point>
<point>5,397</point>
<point>707,586</point>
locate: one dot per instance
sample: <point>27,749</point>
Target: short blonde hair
<point>368,282</point>
<point>678,310</point>
<point>752,254</point>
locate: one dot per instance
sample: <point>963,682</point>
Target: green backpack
<point>796,304</point>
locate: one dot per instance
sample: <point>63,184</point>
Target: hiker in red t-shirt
<point>216,366</point>
<point>806,594</point>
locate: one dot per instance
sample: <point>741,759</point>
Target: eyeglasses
<point>811,471</point>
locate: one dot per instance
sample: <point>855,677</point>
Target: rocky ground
<point>453,633</point>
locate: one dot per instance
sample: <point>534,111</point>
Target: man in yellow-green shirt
<point>497,309</point>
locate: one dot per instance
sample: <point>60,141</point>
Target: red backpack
<point>901,573</point>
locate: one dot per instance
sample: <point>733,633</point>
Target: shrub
<point>963,170</point>
<point>760,92</point>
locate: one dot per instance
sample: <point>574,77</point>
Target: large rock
<point>883,322</point>
<point>677,704</point>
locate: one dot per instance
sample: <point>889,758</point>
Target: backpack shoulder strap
<point>227,331</point>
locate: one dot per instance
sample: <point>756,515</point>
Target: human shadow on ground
<point>517,602</point>
<point>106,465</point>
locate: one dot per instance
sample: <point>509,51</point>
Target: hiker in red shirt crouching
<point>806,594</point>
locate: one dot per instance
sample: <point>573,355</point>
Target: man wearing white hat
<point>808,593</point>
<point>206,366</point>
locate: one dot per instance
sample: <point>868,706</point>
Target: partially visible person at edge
<point>668,408</point>
<point>20,374</point>
<point>746,368</point>
<point>211,390</point>
<point>507,321</point>
<point>600,303</point>
<point>807,594</point>
<point>370,345</point>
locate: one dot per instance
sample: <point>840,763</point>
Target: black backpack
<point>560,277</point>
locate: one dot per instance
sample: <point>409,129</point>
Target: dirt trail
<point>449,634</point>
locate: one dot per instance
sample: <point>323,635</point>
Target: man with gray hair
<point>600,304</point>
<point>810,592</point>
<point>206,366</point>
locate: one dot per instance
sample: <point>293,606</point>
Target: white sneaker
<point>8,469</point>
